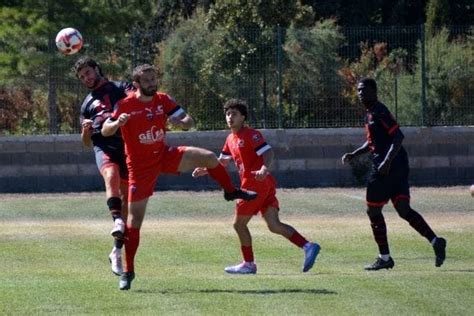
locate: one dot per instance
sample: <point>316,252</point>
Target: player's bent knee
<point>373,211</point>
<point>403,211</point>
<point>275,228</point>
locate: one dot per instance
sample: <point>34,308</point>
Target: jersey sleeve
<point>117,111</point>
<point>258,143</point>
<point>388,121</point>
<point>127,87</point>
<point>225,152</point>
<point>171,108</point>
<point>85,113</point>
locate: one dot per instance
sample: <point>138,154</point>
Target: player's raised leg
<point>195,157</point>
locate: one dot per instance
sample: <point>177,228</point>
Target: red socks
<point>220,174</point>
<point>247,253</point>
<point>298,240</point>
<point>132,240</point>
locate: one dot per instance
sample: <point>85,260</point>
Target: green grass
<point>53,254</point>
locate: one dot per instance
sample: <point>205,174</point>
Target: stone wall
<point>304,158</point>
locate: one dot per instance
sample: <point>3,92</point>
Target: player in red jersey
<point>253,158</point>
<point>142,118</point>
<point>109,151</point>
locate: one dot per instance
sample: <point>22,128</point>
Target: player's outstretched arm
<point>110,127</point>
<point>184,121</point>
<point>200,171</point>
<point>347,157</point>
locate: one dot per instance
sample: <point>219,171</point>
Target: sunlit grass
<point>53,253</point>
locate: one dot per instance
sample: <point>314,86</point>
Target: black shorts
<point>108,156</point>
<point>393,186</point>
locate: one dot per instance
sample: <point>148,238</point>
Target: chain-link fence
<point>291,78</point>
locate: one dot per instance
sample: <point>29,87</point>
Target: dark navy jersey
<point>380,127</point>
<point>98,106</point>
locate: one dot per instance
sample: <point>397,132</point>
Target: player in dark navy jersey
<point>388,179</point>
<point>109,151</point>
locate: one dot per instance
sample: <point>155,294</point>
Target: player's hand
<point>87,124</point>
<point>347,158</point>
<point>199,172</point>
<point>123,119</point>
<point>384,168</point>
<point>175,121</point>
<point>260,174</point>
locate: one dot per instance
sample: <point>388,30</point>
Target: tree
<point>312,83</point>
<point>437,16</point>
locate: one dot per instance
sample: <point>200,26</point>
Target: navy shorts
<point>107,157</point>
<point>394,186</point>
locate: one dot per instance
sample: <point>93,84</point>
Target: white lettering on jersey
<point>152,136</point>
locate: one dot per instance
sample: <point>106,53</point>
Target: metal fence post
<point>279,76</point>
<point>423,77</point>
<point>52,89</point>
<point>396,95</point>
<point>52,105</point>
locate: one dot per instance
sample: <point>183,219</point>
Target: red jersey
<point>144,133</point>
<point>246,148</point>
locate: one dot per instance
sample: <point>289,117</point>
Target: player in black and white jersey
<point>109,151</point>
<point>388,179</point>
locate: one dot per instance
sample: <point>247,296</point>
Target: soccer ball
<point>69,41</point>
<point>472,190</point>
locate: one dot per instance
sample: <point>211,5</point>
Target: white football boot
<point>242,268</point>
<point>118,230</point>
<point>115,259</point>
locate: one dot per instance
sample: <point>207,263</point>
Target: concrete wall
<point>305,158</point>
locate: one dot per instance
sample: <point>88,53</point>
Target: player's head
<point>145,79</point>
<point>367,91</point>
<point>89,72</point>
<point>236,112</point>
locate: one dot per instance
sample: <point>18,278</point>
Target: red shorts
<point>144,173</point>
<point>266,198</point>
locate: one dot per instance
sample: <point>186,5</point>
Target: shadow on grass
<point>252,292</point>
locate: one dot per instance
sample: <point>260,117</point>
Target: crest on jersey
<point>159,109</point>
<point>256,137</point>
<point>241,143</point>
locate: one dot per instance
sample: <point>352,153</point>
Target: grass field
<point>54,248</point>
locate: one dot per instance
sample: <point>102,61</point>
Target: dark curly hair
<point>237,104</point>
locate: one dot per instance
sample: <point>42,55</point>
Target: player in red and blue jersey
<point>109,151</point>
<point>253,157</point>
<point>388,179</point>
<point>142,117</point>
